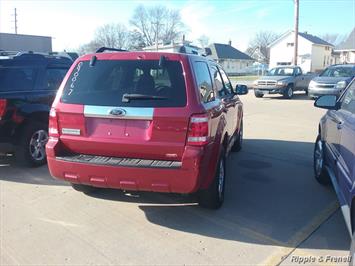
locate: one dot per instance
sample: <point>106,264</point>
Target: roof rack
<point>103,49</point>
<point>31,55</point>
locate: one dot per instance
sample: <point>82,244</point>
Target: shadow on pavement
<point>271,199</point>
<point>296,96</point>
<point>13,172</point>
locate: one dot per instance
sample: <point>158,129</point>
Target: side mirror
<point>241,89</point>
<point>326,102</point>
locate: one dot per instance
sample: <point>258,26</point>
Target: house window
<point>290,44</point>
<point>283,63</point>
<point>324,61</point>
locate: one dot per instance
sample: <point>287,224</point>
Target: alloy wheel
<point>37,145</point>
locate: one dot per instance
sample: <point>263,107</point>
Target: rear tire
<point>320,173</point>
<point>288,93</point>
<point>213,197</point>
<point>237,146</point>
<point>258,94</point>
<point>31,150</point>
<point>84,188</point>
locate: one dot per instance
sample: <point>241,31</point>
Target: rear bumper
<point>188,177</point>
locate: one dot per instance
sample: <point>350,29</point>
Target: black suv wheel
<point>31,149</point>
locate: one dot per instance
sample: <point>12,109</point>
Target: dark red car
<point>147,121</point>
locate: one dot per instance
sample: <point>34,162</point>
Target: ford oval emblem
<point>117,112</point>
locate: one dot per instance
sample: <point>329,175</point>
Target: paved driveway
<point>274,210</point>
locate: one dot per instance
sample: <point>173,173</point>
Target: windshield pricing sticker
<point>74,78</point>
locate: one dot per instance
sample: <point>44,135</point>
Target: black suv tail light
<point>3,105</point>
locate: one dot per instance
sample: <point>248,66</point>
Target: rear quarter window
<point>106,83</point>
<point>53,78</point>
<point>204,81</point>
<point>17,78</point>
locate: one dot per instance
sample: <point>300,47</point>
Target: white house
<point>173,47</point>
<point>347,49</point>
<point>314,54</point>
<point>231,59</point>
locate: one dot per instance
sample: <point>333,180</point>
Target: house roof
<point>309,37</point>
<point>314,39</point>
<point>226,51</point>
<point>349,43</point>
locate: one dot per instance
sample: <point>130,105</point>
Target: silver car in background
<point>332,81</point>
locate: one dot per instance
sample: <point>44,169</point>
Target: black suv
<point>28,85</point>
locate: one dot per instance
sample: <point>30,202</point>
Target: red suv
<point>148,121</point>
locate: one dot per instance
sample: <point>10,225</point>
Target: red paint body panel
<point>186,179</point>
<point>163,137</point>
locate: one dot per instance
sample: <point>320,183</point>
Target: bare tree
<point>333,38</point>
<point>112,35</point>
<point>157,23</point>
<point>136,41</point>
<point>203,40</point>
<point>88,48</point>
<point>109,35</point>
<point>260,43</point>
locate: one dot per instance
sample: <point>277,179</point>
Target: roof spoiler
<point>103,49</point>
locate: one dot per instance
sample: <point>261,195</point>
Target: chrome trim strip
<point>138,113</point>
<point>71,131</point>
<point>120,162</point>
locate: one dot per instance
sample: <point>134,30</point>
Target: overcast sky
<point>72,23</point>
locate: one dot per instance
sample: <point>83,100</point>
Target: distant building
<point>314,54</point>
<point>231,59</point>
<point>21,42</point>
<point>347,49</point>
<point>179,47</point>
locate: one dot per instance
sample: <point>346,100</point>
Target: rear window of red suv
<point>133,83</point>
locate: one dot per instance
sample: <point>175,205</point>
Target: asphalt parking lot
<point>274,210</point>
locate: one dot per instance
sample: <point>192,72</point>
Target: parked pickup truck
<point>282,80</point>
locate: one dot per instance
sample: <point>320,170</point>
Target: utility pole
<point>157,24</point>
<point>295,54</point>
<point>15,20</point>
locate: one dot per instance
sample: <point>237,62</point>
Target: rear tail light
<point>3,105</point>
<point>53,124</point>
<point>198,134</point>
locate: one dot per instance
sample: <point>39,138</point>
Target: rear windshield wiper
<point>127,97</point>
